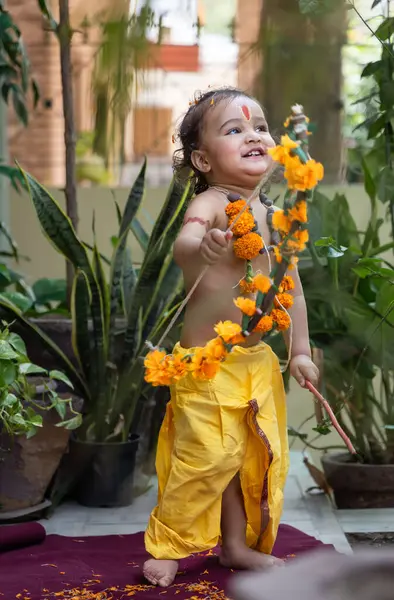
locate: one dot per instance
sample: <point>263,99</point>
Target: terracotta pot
<point>28,465</point>
<point>358,485</point>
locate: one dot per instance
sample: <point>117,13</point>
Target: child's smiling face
<point>234,143</point>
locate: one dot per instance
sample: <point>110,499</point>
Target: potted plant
<point>350,296</point>
<point>109,352</point>
<point>35,423</point>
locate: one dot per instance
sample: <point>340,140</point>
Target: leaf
<point>36,93</point>
<point>19,105</point>
<point>28,368</point>
<point>386,185</point>
<point>59,376</point>
<point>6,351</point>
<point>369,183</point>
<point>371,68</point>
<point>80,335</point>
<point>47,13</point>
<point>8,374</point>
<point>20,300</point>
<point>47,290</point>
<point>117,262</point>
<point>17,343</point>
<point>385,29</point>
<point>71,424</point>
<point>140,234</point>
<point>294,433</point>
<point>129,280</point>
<point>376,3</point>
<point>169,225</point>
<point>61,409</point>
<point>12,310</point>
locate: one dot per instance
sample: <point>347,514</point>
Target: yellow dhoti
<point>213,430</point>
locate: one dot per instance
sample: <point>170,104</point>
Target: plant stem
<point>64,35</point>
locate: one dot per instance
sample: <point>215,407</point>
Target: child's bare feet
<point>244,558</point>
<point>160,572</point>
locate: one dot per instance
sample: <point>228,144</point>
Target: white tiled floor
<point>312,514</point>
<point>369,520</point>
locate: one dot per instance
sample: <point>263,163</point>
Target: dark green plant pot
<point>106,472</point>
<point>357,485</point>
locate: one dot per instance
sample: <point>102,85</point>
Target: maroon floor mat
<point>109,568</point>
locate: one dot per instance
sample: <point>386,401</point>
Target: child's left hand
<point>302,368</point>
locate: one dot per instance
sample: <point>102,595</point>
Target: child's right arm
<point>199,241</point>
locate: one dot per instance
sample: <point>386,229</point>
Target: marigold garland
<point>244,224</point>
<point>248,246</point>
<point>302,174</point>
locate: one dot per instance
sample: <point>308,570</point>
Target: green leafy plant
<point>21,407</point>
<point>15,81</point>
<point>349,290</point>
<point>110,351</point>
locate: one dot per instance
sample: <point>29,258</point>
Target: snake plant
<point>109,355</point>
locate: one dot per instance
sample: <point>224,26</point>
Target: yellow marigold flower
<point>284,300</point>
<point>245,224</point>
<point>247,287</point>
<point>265,324</point>
<point>280,221</point>
<point>288,143</point>
<point>176,367</point>
<point>278,255</point>
<point>156,368</point>
<point>287,284</point>
<point>262,283</point>
<point>299,212</point>
<point>282,152</point>
<point>303,177</point>
<point>202,368</point>
<point>247,306</point>
<point>298,240</point>
<point>293,263</point>
<point>281,318</point>
<point>248,246</point>
<point>227,330</point>
<point>215,350</point>
<point>233,208</point>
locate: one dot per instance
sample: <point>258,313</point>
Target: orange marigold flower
<point>293,263</point>
<point>287,284</point>
<point>280,221</point>
<point>176,367</point>
<point>303,177</point>
<point>233,208</point>
<point>298,240</point>
<point>237,339</point>
<point>247,287</point>
<point>262,283</point>
<point>299,212</point>
<point>287,122</point>
<point>156,368</point>
<point>248,246</point>
<point>227,330</point>
<point>284,300</point>
<point>265,324</point>
<point>202,368</point>
<point>215,350</point>
<point>245,223</point>
<point>247,306</point>
<point>281,319</point>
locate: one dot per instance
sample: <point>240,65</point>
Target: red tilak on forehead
<point>246,112</point>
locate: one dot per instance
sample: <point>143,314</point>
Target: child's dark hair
<point>189,133</point>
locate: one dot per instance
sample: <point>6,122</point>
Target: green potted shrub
<point>109,352</point>
<point>35,423</point>
<point>349,291</point>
